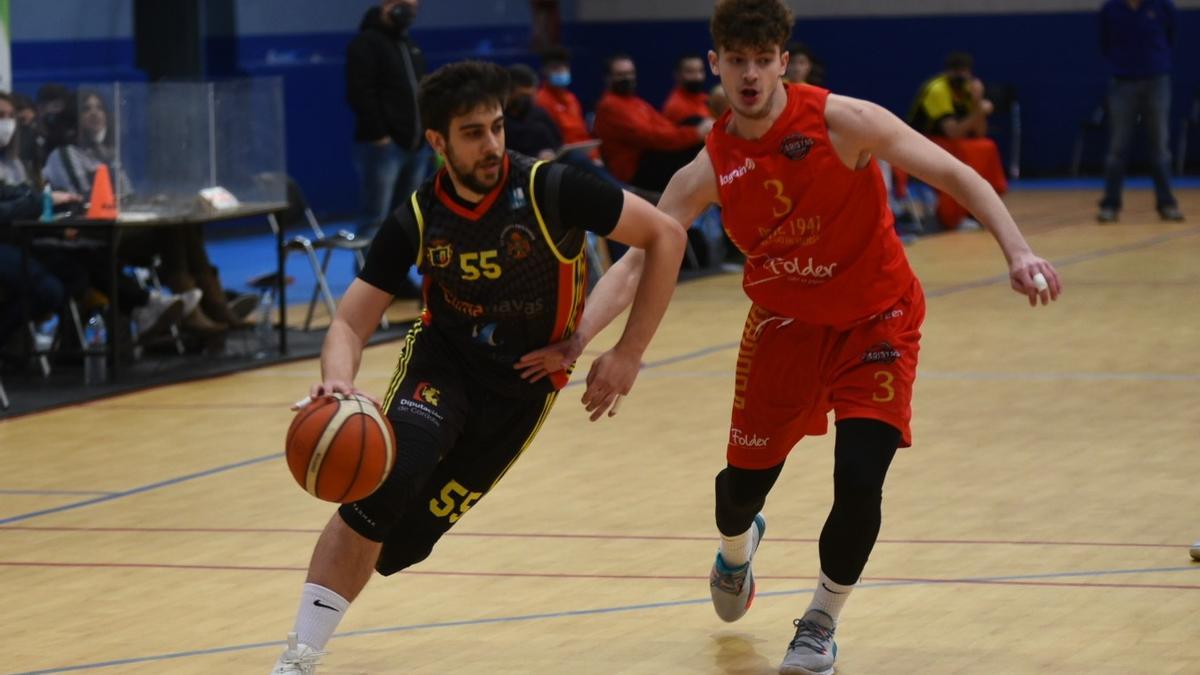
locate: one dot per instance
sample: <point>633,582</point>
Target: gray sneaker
<point>812,651</point>
<point>732,588</point>
<point>1171,214</point>
<point>1106,215</point>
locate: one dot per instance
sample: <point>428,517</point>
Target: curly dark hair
<point>753,24</point>
<point>457,89</point>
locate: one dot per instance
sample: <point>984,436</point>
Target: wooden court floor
<point>1040,524</point>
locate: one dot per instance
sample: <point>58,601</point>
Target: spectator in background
<point>803,66</point>
<point>688,102</point>
<point>558,101</point>
<point>528,128</point>
<point>1136,36</point>
<point>186,268</point>
<point>12,169</point>
<point>641,146</point>
<point>951,110</point>
<point>383,68</point>
<point>27,135</point>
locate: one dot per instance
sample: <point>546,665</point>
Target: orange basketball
<point>340,448</point>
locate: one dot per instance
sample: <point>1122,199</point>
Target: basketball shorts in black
<point>455,439</point>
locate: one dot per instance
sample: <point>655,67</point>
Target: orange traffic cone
<point>104,205</point>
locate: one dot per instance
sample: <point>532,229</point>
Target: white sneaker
<point>191,299</point>
<point>157,315</point>
<point>297,659</point>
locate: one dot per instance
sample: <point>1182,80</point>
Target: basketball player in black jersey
<point>499,238</point>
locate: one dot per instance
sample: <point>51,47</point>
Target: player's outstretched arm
<point>860,128</point>
<point>662,239</point>
<point>357,316</point>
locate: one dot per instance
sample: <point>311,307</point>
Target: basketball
<point>340,448</point>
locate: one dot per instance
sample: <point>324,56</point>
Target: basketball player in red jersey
<point>837,311</point>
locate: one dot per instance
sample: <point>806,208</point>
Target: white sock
<point>830,596</point>
<point>736,550</point>
<point>320,612</point>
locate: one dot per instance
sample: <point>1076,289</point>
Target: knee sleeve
<point>741,494</point>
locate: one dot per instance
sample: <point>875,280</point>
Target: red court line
<point>600,536</point>
<point>610,577</point>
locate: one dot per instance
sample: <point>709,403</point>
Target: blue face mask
<point>560,79</point>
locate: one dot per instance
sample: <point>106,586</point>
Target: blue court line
<point>139,490</point>
<point>596,612</point>
<point>75,493</point>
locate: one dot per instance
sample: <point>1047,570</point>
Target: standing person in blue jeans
<point>1136,36</point>
<point>383,69</point>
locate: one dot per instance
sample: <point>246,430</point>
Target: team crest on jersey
<point>517,241</point>
<point>795,146</point>
<point>516,199</point>
<point>427,394</point>
<point>439,253</point>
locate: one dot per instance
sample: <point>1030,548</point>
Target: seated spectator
<point>12,169</point>
<point>641,146</point>
<point>688,103</point>
<point>558,101</point>
<point>185,263</point>
<point>27,135</point>
<point>952,111</point>
<point>803,66</point>
<point>528,128</point>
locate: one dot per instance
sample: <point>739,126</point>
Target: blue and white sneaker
<point>732,588</point>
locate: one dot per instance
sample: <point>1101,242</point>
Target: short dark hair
<point>555,55</point>
<point>751,24</point>
<point>522,75</point>
<point>613,58</point>
<point>959,60</point>
<point>53,92</point>
<point>457,89</point>
<point>795,48</point>
<point>22,101</point>
<point>685,58</point>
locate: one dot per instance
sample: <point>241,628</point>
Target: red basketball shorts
<point>791,374</point>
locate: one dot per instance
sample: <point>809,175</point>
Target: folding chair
<point>298,212</point>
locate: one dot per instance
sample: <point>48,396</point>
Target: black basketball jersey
<point>502,278</point>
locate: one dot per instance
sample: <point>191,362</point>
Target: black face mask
<point>519,106</point>
<point>624,86</point>
<point>958,82</point>
<point>693,86</point>
<point>402,16</point>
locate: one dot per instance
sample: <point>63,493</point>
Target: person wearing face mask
<point>383,68</point>
<point>641,146</point>
<point>528,128</point>
<point>558,101</point>
<point>688,102</point>
<point>952,111</point>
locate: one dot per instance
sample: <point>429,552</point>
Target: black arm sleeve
<point>393,252</point>
<point>584,200</point>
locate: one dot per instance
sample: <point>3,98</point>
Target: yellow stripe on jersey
<point>420,229</point>
<point>406,353</point>
<point>542,223</point>
<point>536,428</point>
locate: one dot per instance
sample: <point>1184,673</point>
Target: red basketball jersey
<point>818,237</point>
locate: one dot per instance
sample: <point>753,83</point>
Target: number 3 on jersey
<point>481,264</point>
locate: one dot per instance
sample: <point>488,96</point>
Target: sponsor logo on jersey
<point>485,334</point>
<point>883,352</point>
<point>517,199</point>
<point>460,305</point>
<point>891,314</point>
<point>517,241</point>
<point>439,253</point>
<point>728,178</point>
<point>527,308</point>
<point>427,393</point>
<point>795,267</point>
<point>739,438</point>
<point>795,146</point>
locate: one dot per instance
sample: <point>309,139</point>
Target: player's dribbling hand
<point>1034,277</point>
<point>550,359</point>
<point>333,387</point>
<point>610,378</point>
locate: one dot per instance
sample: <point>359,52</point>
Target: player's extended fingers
<point>605,404</point>
<point>316,391</point>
